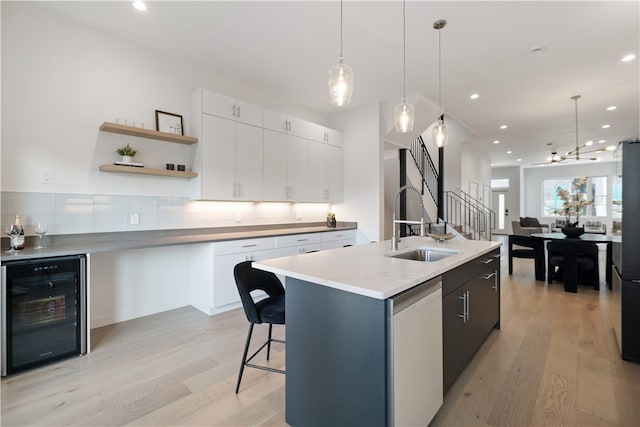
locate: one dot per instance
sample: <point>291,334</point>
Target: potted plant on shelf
<point>573,203</point>
<point>127,152</point>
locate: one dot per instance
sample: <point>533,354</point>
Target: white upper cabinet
<point>252,153</point>
<point>275,166</point>
<point>232,109</point>
<point>324,173</point>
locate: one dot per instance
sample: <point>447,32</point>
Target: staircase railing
<point>469,216</point>
<point>426,167</point>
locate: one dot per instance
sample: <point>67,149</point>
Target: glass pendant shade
<point>340,84</point>
<point>404,114</point>
<point>440,133</point>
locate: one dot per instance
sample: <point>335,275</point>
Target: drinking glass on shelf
<point>40,228</point>
<point>10,231</point>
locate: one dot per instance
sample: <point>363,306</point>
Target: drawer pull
<point>302,240</point>
<point>487,261</point>
<point>489,275</point>
<point>339,235</point>
<point>249,246</point>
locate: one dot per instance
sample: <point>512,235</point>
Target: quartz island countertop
<point>369,270</point>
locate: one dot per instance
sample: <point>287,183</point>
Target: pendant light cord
<point>404,51</point>
<point>577,146</point>
<point>341,30</point>
<point>439,73</point>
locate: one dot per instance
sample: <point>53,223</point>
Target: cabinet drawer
<point>239,246</point>
<point>331,236</point>
<point>298,240</point>
<point>453,279</point>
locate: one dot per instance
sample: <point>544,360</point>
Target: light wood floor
<point>554,362</point>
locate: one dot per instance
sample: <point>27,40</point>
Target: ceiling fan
<point>575,153</point>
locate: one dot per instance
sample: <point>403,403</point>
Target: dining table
<point>587,238</point>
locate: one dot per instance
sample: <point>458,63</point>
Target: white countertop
<point>368,270</point>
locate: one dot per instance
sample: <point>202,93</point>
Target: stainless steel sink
<point>424,255</point>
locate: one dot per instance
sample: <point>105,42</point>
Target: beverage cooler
<point>43,311</point>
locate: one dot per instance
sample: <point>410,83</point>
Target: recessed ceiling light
<point>605,126</point>
<point>611,108</point>
<point>509,152</point>
<point>140,6</point>
<point>588,143</point>
<point>503,127</point>
<point>497,141</point>
<point>610,147</point>
<point>474,96</point>
<point>519,160</point>
<point>629,57</point>
<point>602,141</point>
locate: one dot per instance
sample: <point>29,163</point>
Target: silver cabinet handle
<point>249,246</point>
<point>467,299</point>
<point>487,261</point>
<point>234,111</point>
<point>302,240</point>
<point>238,111</point>
<point>489,275</point>
<point>495,281</point>
<point>463,316</point>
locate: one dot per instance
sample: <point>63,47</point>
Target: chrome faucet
<point>394,240</point>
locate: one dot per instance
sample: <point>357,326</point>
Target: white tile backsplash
<point>91,213</point>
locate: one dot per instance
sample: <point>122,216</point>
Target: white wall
<point>363,172</point>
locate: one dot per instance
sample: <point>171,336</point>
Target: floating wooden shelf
<point>147,133</point>
<point>147,171</point>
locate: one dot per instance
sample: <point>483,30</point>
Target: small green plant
<point>127,150</point>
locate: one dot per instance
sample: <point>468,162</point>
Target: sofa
<point>528,226</point>
<point>595,227</point>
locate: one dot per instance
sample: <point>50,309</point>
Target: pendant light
<point>440,131</point>
<point>404,113</point>
<point>340,78</point>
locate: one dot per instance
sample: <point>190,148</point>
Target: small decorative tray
<point>441,237</point>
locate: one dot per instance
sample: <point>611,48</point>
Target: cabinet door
<point>297,169</point>
<point>218,105</point>
<point>483,313</point>
<point>334,137</point>
<point>316,185</point>
<point>248,162</point>
<point>275,166</point>
<point>452,323</point>
<point>300,128</point>
<point>249,114</point>
<point>218,158</point>
<point>275,120</point>
<point>333,173</point>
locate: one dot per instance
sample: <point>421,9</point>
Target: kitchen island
<point>365,340</point>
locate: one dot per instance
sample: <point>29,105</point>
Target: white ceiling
<point>287,48</point>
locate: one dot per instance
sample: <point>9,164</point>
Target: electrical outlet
<point>134,218</point>
<point>47,176</point>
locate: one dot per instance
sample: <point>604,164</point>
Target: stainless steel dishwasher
<point>417,354</point>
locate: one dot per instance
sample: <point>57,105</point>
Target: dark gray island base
<point>336,358</point>
<point>374,337</point>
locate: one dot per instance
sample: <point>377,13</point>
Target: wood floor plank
<point>555,403</point>
<point>515,402</point>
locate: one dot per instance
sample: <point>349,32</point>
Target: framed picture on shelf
<point>169,123</point>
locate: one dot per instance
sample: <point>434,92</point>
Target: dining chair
<point>270,310</point>
<point>527,247</point>
<point>576,263</point>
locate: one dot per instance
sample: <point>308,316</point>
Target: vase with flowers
<point>573,204</point>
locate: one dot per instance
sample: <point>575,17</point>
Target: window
<point>500,183</point>
<point>594,190</point>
